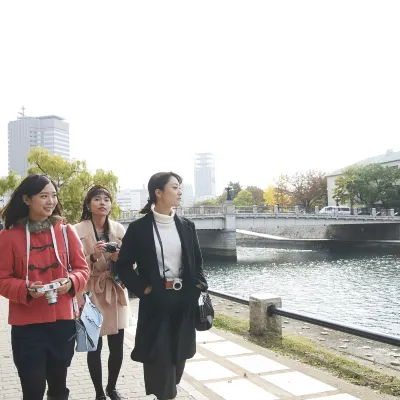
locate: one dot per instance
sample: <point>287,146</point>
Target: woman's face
<point>171,196</point>
<point>100,205</point>
<point>42,205</point>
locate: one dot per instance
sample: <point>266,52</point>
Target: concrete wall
<point>363,232</point>
<point>294,232</point>
<point>218,244</point>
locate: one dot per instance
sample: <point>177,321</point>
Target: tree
<point>244,198</point>
<point>9,183</point>
<point>282,196</point>
<point>236,188</point>
<point>308,189</point>
<point>73,180</point>
<point>269,195</point>
<point>257,194</point>
<point>369,185</point>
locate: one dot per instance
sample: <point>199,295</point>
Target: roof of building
<point>50,117</point>
<point>388,157</point>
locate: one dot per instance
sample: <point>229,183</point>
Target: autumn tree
<point>282,195</point>
<point>269,195</point>
<point>73,180</point>
<point>307,189</point>
<point>244,198</point>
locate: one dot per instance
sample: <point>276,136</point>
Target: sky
<point>269,87</point>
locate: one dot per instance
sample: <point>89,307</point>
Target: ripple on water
<point>361,290</point>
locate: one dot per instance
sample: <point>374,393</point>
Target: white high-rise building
<point>187,195</point>
<point>128,200</point>
<point>49,132</point>
<point>204,175</point>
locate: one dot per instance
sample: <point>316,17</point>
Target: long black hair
<point>16,208</point>
<point>94,191</point>
<point>158,181</point>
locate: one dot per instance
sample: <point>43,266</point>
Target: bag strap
<point>161,246</point>
<point>69,268</point>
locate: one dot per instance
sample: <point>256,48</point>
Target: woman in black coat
<point>168,280</point>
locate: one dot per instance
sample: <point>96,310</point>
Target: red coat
<point>24,310</point>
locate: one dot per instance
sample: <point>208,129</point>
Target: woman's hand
<point>32,290</point>
<point>99,249</point>
<point>114,256</point>
<point>198,286</point>
<point>148,290</point>
<point>65,288</point>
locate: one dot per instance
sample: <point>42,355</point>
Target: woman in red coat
<point>33,254</point>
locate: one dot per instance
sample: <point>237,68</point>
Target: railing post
<point>261,324</point>
<point>254,209</point>
<point>201,209</point>
<point>373,212</point>
<point>276,209</point>
<point>391,212</point>
<point>316,210</point>
<point>296,209</point>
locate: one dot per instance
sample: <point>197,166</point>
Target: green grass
<point>309,352</point>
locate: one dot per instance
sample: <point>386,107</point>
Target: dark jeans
<point>43,352</point>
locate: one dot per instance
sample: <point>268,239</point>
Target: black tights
<point>116,346</point>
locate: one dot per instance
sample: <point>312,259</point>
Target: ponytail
<point>147,208</point>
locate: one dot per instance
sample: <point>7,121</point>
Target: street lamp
<point>337,199</point>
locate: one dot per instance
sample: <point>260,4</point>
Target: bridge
<point>217,225</point>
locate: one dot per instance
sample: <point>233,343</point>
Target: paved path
<point>225,367</point>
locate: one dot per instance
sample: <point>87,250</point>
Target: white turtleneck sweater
<point>171,243</point>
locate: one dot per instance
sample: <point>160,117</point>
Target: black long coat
<point>138,246</point>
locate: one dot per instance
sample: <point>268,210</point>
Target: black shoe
<point>113,394</point>
<point>101,397</point>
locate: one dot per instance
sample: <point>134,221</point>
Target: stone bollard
<point>373,212</point>
<point>270,327</point>
<point>296,209</point>
<point>391,212</point>
<point>254,209</point>
<point>316,210</point>
<point>276,209</point>
<point>201,209</point>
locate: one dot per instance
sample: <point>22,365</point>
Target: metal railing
<point>273,310</point>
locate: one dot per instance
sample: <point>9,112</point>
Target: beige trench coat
<point>111,299</point>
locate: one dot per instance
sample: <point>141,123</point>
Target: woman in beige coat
<point>101,238</point>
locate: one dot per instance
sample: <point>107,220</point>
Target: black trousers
<point>161,377</point>
<point>43,352</point>
<point>116,347</point>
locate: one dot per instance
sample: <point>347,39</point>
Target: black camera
<point>111,247</point>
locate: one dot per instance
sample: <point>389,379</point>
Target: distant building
<point>204,175</point>
<point>49,132</point>
<point>389,159</point>
<point>128,200</point>
<point>187,195</point>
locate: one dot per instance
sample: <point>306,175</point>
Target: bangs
<point>100,192</point>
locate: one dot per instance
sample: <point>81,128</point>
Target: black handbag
<point>204,317</point>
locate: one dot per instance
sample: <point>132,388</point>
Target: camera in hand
<point>50,291</point>
<point>111,247</point>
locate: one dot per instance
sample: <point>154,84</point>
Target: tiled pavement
<point>225,367</point>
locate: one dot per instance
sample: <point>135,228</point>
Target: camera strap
<point>161,246</point>
<point>28,250</point>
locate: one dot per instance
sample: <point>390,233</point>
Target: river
<point>362,290</point>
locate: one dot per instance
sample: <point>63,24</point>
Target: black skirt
<point>162,376</point>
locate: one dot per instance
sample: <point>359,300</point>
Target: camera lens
<point>177,285</point>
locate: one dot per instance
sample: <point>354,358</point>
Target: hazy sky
<point>267,86</point>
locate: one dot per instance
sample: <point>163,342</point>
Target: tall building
<point>128,200</point>
<point>187,195</point>
<point>204,175</point>
<point>50,132</point>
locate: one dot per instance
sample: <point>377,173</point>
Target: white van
<point>335,210</point>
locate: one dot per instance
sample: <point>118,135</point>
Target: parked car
<point>335,210</point>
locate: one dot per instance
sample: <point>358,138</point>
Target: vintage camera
<point>111,247</point>
<point>50,291</point>
<point>176,283</point>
